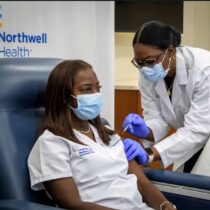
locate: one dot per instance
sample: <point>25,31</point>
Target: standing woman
<point>175,93</point>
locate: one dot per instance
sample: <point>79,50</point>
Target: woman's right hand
<point>136,126</point>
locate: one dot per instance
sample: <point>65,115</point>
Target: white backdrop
<point>70,30</point>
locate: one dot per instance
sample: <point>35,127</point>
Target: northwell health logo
<point>22,43</point>
<point>20,38</point>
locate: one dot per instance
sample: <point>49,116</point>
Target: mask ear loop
<point>73,96</point>
<point>168,69</point>
<point>69,106</point>
<point>164,55</point>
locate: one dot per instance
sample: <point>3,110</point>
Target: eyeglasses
<point>146,62</point>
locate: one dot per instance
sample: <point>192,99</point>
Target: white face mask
<point>156,72</point>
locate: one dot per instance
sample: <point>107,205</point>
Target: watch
<point>150,155</point>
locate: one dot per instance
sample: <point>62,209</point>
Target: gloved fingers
<point>130,129</point>
<point>137,120</point>
<point>145,159</point>
<point>141,161</point>
<point>128,126</point>
<point>136,151</point>
<point>124,124</point>
<point>127,144</point>
<point>133,155</point>
<point>129,118</point>
<point>131,151</point>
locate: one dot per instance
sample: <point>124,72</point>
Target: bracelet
<point>165,202</point>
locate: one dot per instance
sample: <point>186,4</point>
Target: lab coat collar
<point>162,93</point>
<point>181,68</point>
<point>180,80</point>
<point>181,77</point>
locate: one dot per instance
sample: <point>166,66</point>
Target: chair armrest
<point>23,205</point>
<point>178,178</point>
<point>186,191</point>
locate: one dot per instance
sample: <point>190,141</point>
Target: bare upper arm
<point>64,192</point>
<point>150,193</point>
<point>135,168</point>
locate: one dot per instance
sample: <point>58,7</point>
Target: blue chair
<point>22,83</point>
<point>186,191</point>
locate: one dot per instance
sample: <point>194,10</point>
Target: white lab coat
<point>202,166</point>
<point>188,112</point>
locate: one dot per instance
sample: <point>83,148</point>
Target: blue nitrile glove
<point>134,150</point>
<point>136,126</point>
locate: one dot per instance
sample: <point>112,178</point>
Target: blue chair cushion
<point>23,82</point>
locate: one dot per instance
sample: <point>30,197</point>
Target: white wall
<point>74,30</point>
<point>196,33</point>
<point>124,69</point>
<point>197,24</point>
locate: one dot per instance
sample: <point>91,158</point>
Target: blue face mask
<point>89,106</point>
<point>156,72</point>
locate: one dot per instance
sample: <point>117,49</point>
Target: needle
<point>127,125</point>
<point>125,129</point>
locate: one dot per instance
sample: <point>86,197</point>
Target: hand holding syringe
<point>126,127</point>
<point>135,125</point>
<point>132,148</point>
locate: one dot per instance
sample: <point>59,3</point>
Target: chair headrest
<point>23,81</point>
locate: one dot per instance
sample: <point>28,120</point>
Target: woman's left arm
<point>150,193</point>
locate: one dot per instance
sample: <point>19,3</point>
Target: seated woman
<point>80,162</point>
